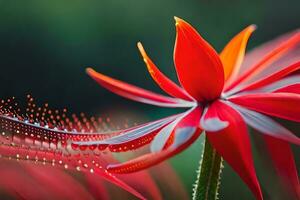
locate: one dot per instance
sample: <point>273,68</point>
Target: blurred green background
<point>45,47</point>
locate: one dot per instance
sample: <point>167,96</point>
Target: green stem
<point>208,178</point>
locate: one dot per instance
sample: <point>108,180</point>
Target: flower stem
<point>208,177</point>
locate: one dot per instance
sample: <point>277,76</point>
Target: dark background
<point>45,47</point>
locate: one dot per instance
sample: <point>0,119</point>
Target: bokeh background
<point>45,47</point>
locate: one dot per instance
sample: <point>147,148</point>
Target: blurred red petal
<point>96,187</point>
<point>167,177</point>
<point>198,66</point>
<point>74,161</point>
<point>143,183</point>
<point>18,184</point>
<point>295,88</point>
<point>279,49</point>
<point>273,77</point>
<point>282,105</point>
<point>233,144</point>
<point>283,160</point>
<point>57,182</point>
<point>164,82</point>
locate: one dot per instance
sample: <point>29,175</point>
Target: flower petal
<point>233,144</point>
<point>131,138</point>
<point>294,88</point>
<point>164,134</point>
<point>96,187</point>
<point>168,177</point>
<point>268,63</point>
<point>180,143</point>
<point>282,105</point>
<point>198,66</point>
<point>142,182</point>
<point>283,160</point>
<point>273,77</point>
<point>266,125</point>
<point>46,157</point>
<point>50,179</point>
<point>151,159</point>
<point>278,85</point>
<point>164,82</point>
<point>132,92</point>
<point>233,53</point>
<point>210,120</point>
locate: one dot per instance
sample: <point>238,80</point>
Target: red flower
<point>225,93</point>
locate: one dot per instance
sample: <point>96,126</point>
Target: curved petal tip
<point>89,70</point>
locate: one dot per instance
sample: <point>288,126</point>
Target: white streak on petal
<point>266,125</point>
<point>162,137</point>
<point>132,134</point>
<point>212,124</point>
<point>182,135</point>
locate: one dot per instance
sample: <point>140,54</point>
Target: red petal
<point>143,183</point>
<point>282,105</point>
<point>295,88</point>
<point>96,187</point>
<point>129,139</point>
<point>51,179</point>
<point>185,125</point>
<point>210,120</point>
<point>164,82</point>
<point>283,160</point>
<point>233,144</point>
<point>198,66</point>
<point>18,184</point>
<point>272,56</point>
<point>170,180</point>
<point>273,77</point>
<point>150,159</point>
<point>132,92</point>
<point>69,161</point>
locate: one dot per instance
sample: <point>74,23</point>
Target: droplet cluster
<point>46,136</point>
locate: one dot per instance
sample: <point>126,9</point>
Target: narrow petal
<point>282,105</point>
<point>294,88</point>
<point>233,144</point>
<point>198,66</point>
<point>132,92</point>
<point>234,52</point>
<point>164,134</point>
<point>132,134</point>
<point>257,53</point>
<point>266,125</point>
<point>151,159</point>
<point>264,64</point>
<point>283,160</point>
<point>278,85</point>
<point>273,77</point>
<point>180,142</point>
<point>164,82</point>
